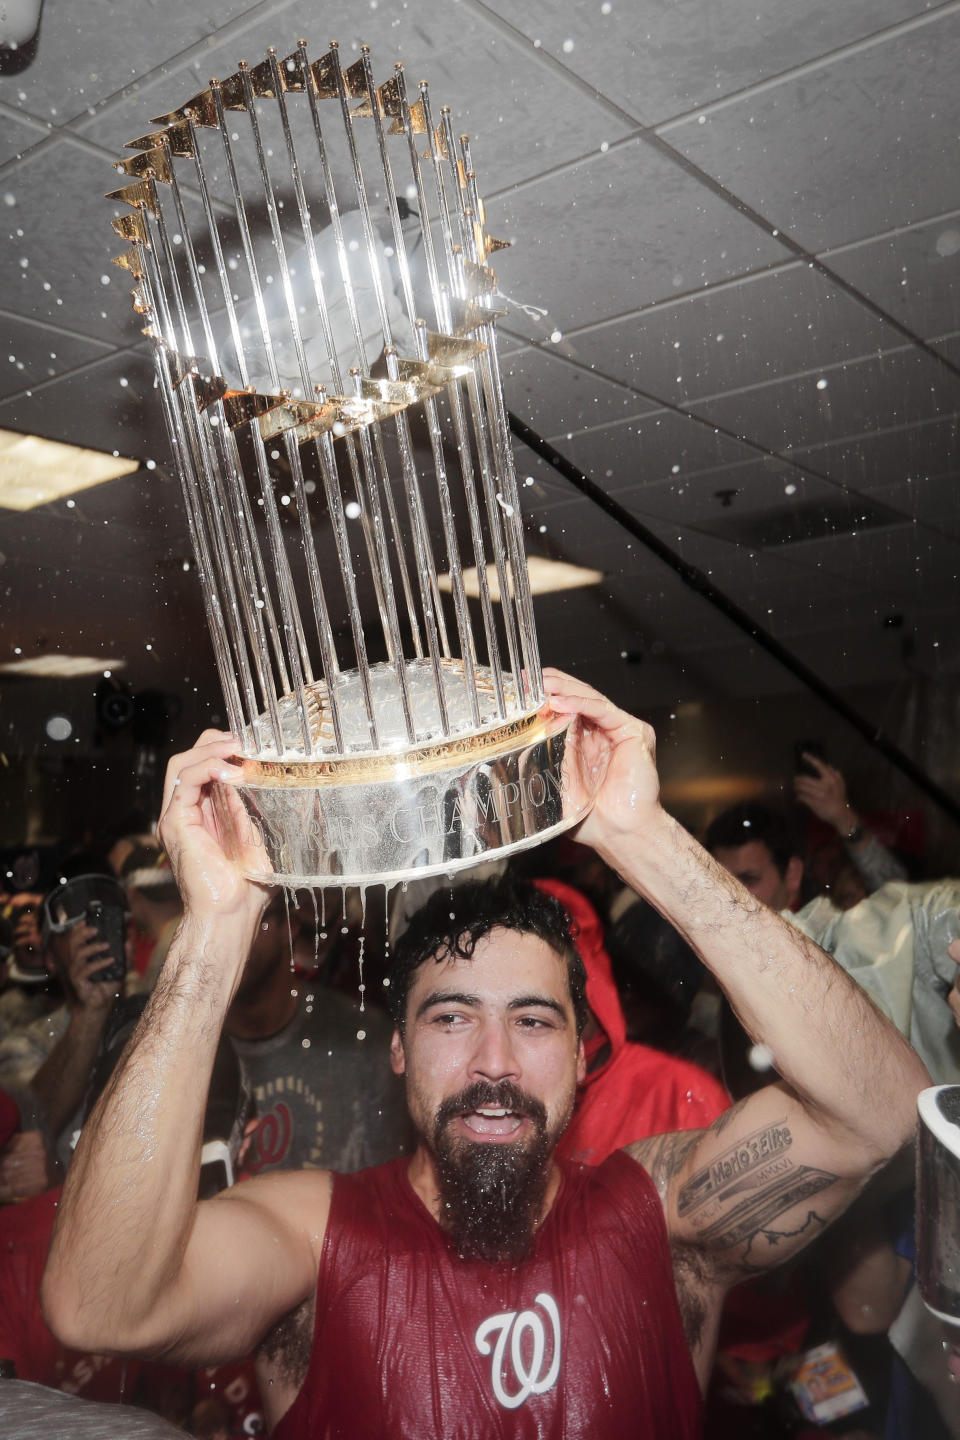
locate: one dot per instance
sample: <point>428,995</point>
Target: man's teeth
<point>496,1113</point>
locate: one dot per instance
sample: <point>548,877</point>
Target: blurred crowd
<point>303,1080</point>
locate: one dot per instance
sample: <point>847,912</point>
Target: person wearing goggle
<point>83,934</point>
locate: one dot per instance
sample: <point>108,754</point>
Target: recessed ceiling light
<point>60,667</point>
<point>546,576</point>
<point>34,471</point>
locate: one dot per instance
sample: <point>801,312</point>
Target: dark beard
<point>491,1195</point>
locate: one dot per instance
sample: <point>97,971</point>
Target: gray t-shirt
<point>32,1412</point>
<point>326,1098</point>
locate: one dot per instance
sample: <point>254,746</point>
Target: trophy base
<point>383,819</point>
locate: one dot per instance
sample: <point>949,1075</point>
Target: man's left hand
<point>608,739</point>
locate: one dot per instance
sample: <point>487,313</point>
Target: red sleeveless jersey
<point>412,1343</point>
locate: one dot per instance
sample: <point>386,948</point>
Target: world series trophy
<point>284,271</point>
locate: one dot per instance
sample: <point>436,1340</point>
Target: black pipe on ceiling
<point>696,580</point>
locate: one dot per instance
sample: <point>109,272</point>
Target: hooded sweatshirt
<point>631,1091</point>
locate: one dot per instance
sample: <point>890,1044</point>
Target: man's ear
<point>581,1063</point>
<point>398,1061</point>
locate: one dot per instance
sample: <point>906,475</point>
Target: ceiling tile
<point>90,407</point>
<point>554,397</point>
<point>664,59</point>
<point>752,488</point>
<point>913,274</point>
<point>949,345</point>
<point>36,353</point>
<point>680,238</point>
<point>624,458</point>
<point>82,55</point>
<point>899,387</point>
<point>845,148</point>
<point>18,135</point>
<point>67,244</point>
<point>929,448</point>
<point>753,330</point>
<point>932,499</point>
<point>520,118</point>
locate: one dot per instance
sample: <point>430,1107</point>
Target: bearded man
<point>481,1288</point>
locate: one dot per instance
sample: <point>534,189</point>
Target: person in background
<point>27,990</point>
<point>25,1165</point>
<point>629,1090</point>
<point>25,1231</point>
<point>825,794</point>
<point>155,906</point>
<point>319,1062</point>
<point>52,1058</point>
<point>760,847</point>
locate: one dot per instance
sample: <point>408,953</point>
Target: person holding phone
<point>822,788</point>
<point>83,937</point>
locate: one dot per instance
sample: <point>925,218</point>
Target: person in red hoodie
<point>630,1090</point>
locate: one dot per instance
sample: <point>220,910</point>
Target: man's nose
<point>494,1057</point>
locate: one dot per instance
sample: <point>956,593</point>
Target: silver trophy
<point>310,257</point>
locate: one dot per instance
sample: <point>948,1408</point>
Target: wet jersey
<point>584,1339</point>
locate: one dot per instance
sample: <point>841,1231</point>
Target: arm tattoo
<point>735,1199</point>
<point>749,1161</point>
<point>662,1156</point>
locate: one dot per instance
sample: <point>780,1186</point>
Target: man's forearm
<point>60,1083</point>
<point>136,1168</point>
<point>825,1034</point>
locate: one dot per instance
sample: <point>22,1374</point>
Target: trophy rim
<point>360,769</point>
<point>392,878</point>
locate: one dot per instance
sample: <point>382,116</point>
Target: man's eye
<point>534,1022</point>
<point>447,1018</point>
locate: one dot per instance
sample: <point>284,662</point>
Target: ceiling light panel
<point>34,471</point>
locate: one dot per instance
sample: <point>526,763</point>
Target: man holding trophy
<point>585,1334</point>
<point>480,1287</point>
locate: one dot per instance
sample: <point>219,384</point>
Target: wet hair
<point>452,922</point>
<point>743,823</point>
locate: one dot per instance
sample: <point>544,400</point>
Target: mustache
<point>486,1094</point>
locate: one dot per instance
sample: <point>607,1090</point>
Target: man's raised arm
<point>766,1177</point>
<point>136,1264</point>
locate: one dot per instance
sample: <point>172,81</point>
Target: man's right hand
<point>209,882</point>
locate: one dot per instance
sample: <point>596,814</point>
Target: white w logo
<point>513,1326</point>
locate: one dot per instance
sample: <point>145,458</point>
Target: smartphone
<point>808,747</point>
<point>110,923</point>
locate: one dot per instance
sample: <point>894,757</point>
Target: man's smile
<point>492,1123</point>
